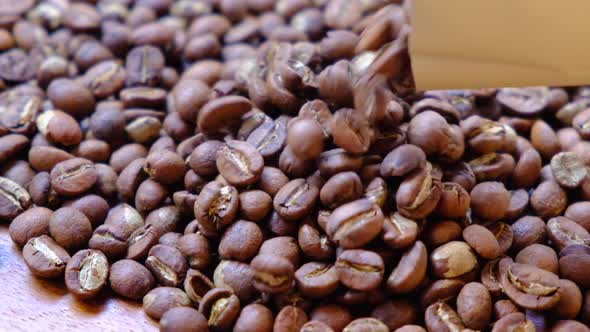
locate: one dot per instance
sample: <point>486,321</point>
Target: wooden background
<point>31,304</point>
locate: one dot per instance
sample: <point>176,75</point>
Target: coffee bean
<point>161,299</point>
<point>14,199</point>
<point>441,317</point>
<point>474,306</point>
<point>360,269</point>
<point>351,131</point>
<point>94,207</point>
<point>44,257</point>
<point>237,277</point>
<point>563,232</point>
<point>86,273</point>
<point>316,279</point>
<point>410,271</point>
<point>548,200</point>
<point>70,228</point>
<point>73,177</point>
<point>482,241</point>
<point>105,78</point>
<point>217,206</point>
<point>490,200</point>
<point>290,317</point>
<point>239,163</point>
<point>72,97</point>
<point>221,308</point>
<point>182,319</point>
<point>272,273</point>
<point>29,224</point>
<point>59,127</point>
<point>453,259</point>
<point>295,199</point>
<point>361,324</point>
<point>402,160</point>
<point>224,112</point>
<point>341,188</point>
<point>196,248</point>
<point>419,193</point>
<point>354,224</point>
<point>517,283</point>
<point>11,145</point>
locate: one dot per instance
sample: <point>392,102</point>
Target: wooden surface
<point>31,304</point>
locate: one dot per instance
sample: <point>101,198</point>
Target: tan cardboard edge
<point>466,44</point>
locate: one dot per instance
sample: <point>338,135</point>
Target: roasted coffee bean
<point>94,207</point>
<point>254,317</point>
<point>150,194</point>
<point>29,224</point>
<point>179,319</point>
<point>419,193</point>
<point>548,200</point>
<point>72,97</point>
<point>341,188</point>
<point>196,248</point>
<point>295,199</point>
<point>272,273</point>
<point>316,280</point>
<point>402,160</point>
<point>86,273</point>
<point>360,269</point>
<point>474,306</point>
<point>355,224</point>
<point>105,78</point>
<point>454,201</point>
<point>167,264</point>
<point>70,228</point>
<point>563,232</point>
<point>529,286</point>
<point>11,145</point>
<point>44,257</point>
<point>540,256</point>
<point>240,241</point>
<point>165,167</point>
<point>351,131</point>
<point>224,112</point>
<point>410,271</point>
<point>290,318</point>
<point>313,144</point>
<point>452,260</point>
<point>490,200</point>
<point>528,230</point>
<point>482,241</point>
<point>14,199</point>
<point>73,176</point>
<point>239,163</point>
<point>59,127</point>
<point>221,308</point>
<point>159,300</point>
<point>217,206</point>
<point>236,277</point>
<point>399,232</point>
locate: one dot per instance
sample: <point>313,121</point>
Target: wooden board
<point>31,304</point>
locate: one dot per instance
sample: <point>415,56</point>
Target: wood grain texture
<point>31,304</point>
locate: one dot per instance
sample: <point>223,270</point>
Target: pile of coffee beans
<point>262,165</point>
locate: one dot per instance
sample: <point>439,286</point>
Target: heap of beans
<point>261,165</point>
